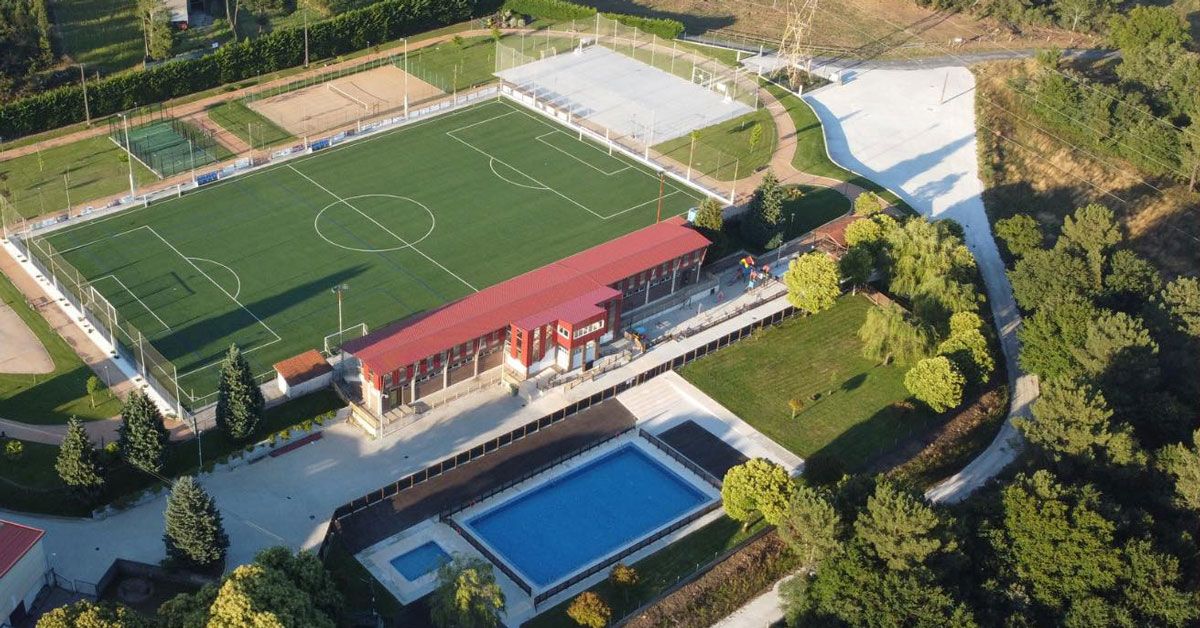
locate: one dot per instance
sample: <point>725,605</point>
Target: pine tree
<point>143,437</point>
<point>901,529</point>
<point>239,399</point>
<point>709,216</point>
<point>77,462</point>
<point>811,526</point>
<point>194,532</point>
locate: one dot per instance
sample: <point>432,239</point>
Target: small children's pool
<point>588,513</point>
<point>420,561</point>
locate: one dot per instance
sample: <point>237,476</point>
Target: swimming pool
<point>588,513</point>
<point>420,561</point>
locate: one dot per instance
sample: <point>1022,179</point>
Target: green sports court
<point>407,220</point>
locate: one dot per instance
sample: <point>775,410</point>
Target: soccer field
<point>408,220</point>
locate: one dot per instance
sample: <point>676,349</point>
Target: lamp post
<point>340,290</point>
<point>129,154</point>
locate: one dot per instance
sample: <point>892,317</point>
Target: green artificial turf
<point>658,571</point>
<point>723,151</point>
<point>853,417</point>
<point>173,146</point>
<point>249,125</point>
<point>53,397</point>
<point>93,168</point>
<point>409,220</point>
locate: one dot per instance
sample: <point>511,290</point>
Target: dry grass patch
<point>1027,170</point>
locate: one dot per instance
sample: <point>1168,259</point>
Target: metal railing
<point>680,458</point>
<point>524,586</point>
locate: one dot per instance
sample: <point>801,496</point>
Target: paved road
<point>824,64</point>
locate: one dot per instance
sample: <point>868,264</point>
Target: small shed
<point>299,375</point>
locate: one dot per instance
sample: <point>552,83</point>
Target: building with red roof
<point>556,316</point>
<point>23,570</point>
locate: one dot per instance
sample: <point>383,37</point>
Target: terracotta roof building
<point>23,570</point>
<point>555,316</point>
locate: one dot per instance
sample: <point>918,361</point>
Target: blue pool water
<point>417,562</point>
<point>586,514</point>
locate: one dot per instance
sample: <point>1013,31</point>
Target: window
<point>387,380</point>
<point>562,331</point>
<point>583,331</point>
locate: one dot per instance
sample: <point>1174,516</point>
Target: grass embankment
<point>248,125</point>
<point>449,65</point>
<point>53,397</point>
<point>811,155</point>
<point>854,410</point>
<point>659,571</point>
<point>31,484</point>
<point>93,168</point>
<point>725,151</point>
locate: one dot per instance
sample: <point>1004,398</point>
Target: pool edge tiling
<point>586,511</point>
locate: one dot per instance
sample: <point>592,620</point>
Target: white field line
<point>576,157</point>
<point>544,121</point>
<point>389,231</point>
<point>653,200</point>
<point>136,298</point>
<point>88,222</point>
<point>87,244</point>
<point>492,166</point>
<point>129,152</point>
<point>474,124</point>
<point>515,169</point>
<point>226,293</point>
<point>233,272</point>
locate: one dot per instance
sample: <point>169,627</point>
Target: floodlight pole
<point>306,36</point>
<point>662,183</point>
<point>192,154</point>
<point>405,78</point>
<point>129,154</point>
<point>339,290</point>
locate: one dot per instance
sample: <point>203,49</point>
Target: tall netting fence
<point>167,146</point>
<point>129,342</point>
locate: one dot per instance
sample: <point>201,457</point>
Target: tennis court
<point>169,146</point>
<point>408,220</point>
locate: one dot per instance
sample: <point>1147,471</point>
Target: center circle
<point>374,223</point>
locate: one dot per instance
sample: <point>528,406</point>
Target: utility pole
<point>129,154</point>
<point>86,111</point>
<point>340,290</point>
<point>306,36</point>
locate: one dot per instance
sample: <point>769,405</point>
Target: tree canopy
<point>813,282</point>
<point>936,382</point>
<point>757,486</point>
<point>467,595</point>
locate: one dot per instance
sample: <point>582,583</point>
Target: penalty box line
<point>135,297</point>
<point>385,229</point>
<point>541,138</point>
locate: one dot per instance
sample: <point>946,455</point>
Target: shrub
<point>550,9</point>
<point>14,449</point>
<point>587,609</point>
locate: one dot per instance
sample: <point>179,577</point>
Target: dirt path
<point>20,350</point>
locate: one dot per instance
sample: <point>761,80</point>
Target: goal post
<point>340,92</point>
<point>333,342</point>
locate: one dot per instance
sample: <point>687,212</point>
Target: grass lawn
<point>722,151</point>
<point>101,34</point>
<point>94,167</point>
<point>241,120</point>
<point>659,571</point>
<point>811,155</point>
<point>54,397</point>
<point>855,410</point>
<point>31,484</point>
<point>252,260</point>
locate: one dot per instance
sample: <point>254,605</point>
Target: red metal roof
<point>15,541</point>
<point>528,295</point>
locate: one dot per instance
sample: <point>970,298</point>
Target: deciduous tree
<point>867,204</point>
<point>1144,25</point>
<point>856,266</point>
<point>587,609</point>
<point>864,232</point>
<point>239,399</point>
<point>968,347</point>
<point>936,382</point>
<point>194,533</point>
<point>467,595</point>
<point>77,464</point>
<point>888,334</point>
<point>813,282</point>
<point>142,435</point>
<point>89,614</point>
<point>756,486</point>
<point>156,28</point>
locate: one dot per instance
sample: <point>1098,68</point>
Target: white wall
<point>23,581</point>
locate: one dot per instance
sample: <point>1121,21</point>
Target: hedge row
<point>348,32</point>
<point>564,10</point>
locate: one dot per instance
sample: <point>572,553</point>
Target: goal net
<point>341,92</point>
